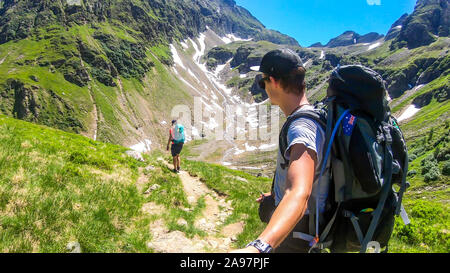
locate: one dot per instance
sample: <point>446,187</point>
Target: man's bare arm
<point>300,178</point>
<point>170,139</point>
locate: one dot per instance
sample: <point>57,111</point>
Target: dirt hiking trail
<point>219,238</point>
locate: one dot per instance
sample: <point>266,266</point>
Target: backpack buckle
<point>387,134</point>
<point>314,242</point>
<point>348,214</point>
<point>380,138</point>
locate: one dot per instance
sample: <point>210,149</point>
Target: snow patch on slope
<point>221,67</point>
<point>375,45</point>
<point>322,55</point>
<point>193,75</point>
<point>199,52</point>
<point>408,113</point>
<point>143,146</point>
<point>176,57</point>
<point>268,147</point>
<point>184,45</point>
<point>229,38</point>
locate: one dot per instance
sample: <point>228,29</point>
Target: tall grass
<point>57,187</point>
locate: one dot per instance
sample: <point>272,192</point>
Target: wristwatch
<point>261,246</point>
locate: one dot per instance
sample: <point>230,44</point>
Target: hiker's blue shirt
<point>308,132</point>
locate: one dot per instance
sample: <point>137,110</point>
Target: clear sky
<point>311,21</point>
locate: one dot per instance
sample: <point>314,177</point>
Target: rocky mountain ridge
<point>429,20</point>
<point>350,38</point>
<point>155,21</point>
<point>400,74</point>
<point>102,68</point>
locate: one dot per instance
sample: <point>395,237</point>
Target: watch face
<point>263,246</point>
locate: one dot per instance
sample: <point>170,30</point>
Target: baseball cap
<point>280,62</point>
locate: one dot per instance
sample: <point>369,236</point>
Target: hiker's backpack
<point>178,134</point>
<point>367,155</point>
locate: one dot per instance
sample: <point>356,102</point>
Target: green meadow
<point>58,187</point>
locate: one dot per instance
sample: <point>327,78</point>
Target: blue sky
<point>311,21</point>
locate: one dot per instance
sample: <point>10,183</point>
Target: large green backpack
<point>367,155</point>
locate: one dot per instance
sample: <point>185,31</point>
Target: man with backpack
<point>284,81</point>
<point>177,138</point>
<point>336,165</point>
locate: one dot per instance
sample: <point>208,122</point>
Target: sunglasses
<point>262,82</point>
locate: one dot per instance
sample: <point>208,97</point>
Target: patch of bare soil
<point>208,149</point>
<point>219,238</point>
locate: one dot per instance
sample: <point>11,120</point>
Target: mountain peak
<point>396,27</point>
<point>316,45</point>
<point>350,37</point>
<point>230,2</point>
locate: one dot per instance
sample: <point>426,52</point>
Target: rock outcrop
<point>430,19</point>
<point>36,104</point>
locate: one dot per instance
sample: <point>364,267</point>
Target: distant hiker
<point>336,165</point>
<point>177,138</point>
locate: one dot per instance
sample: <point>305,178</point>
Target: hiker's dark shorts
<point>176,148</point>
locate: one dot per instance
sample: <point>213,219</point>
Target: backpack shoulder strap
<point>317,115</point>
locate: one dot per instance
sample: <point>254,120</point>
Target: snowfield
<point>176,57</point>
<point>372,46</point>
<point>409,112</point>
<point>322,55</point>
<point>143,146</point>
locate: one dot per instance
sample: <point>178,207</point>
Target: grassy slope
<point>426,133</point>
<point>58,187</point>
<point>14,54</point>
<point>426,201</point>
